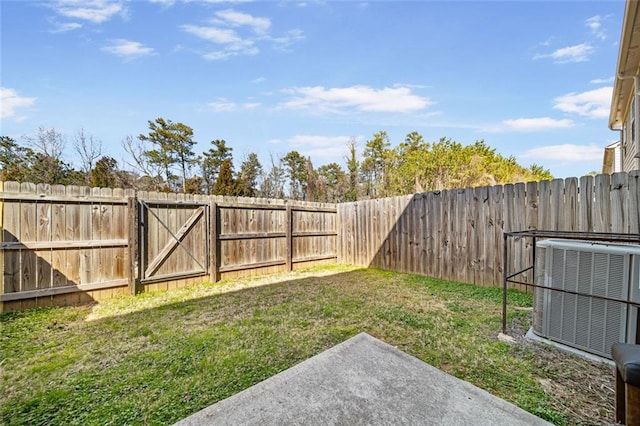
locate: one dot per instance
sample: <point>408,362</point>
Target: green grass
<point>159,357</point>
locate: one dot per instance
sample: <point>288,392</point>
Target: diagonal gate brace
<point>174,242</point>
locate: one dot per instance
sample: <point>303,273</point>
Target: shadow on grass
<point>165,361</point>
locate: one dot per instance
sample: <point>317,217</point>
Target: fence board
<point>602,205</point>
<point>619,203</point>
<point>585,202</point>
<point>497,218</point>
<point>58,233</point>
<point>634,202</point>
<point>571,214</point>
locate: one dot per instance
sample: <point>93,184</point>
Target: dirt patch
<point>582,389</point>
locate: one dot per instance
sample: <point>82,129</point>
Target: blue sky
<point>532,79</point>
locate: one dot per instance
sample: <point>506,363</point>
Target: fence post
<point>133,218</point>
<point>288,233</point>
<point>213,241</point>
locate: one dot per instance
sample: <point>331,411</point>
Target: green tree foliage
<point>250,171</point>
<point>540,173</point>
<point>165,155</point>
<point>173,147</point>
<point>376,165</point>
<point>25,164</point>
<point>419,166</point>
<point>13,159</point>
<point>212,162</point>
<point>334,182</point>
<point>411,164</point>
<point>225,185</point>
<point>353,165</point>
<point>295,166</point>
<point>314,189</point>
<point>104,173</point>
<point>194,185</point>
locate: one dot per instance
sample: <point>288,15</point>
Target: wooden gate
<point>173,240</point>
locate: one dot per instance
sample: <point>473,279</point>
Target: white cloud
<point>258,80</point>
<point>225,105</point>
<point>64,27</point>
<point>236,19</point>
<point>213,34</point>
<point>592,103</point>
<point>222,105</point>
<point>229,52</point>
<point>565,152</point>
<point>11,101</point>
<point>603,80</point>
<point>234,45</point>
<point>535,124</point>
<point>128,49</point>
<point>362,98</point>
<point>164,3</point>
<point>291,37</point>
<point>595,25</point>
<point>96,11</point>
<point>576,53</point>
<point>229,29</point>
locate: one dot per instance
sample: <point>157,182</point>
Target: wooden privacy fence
<point>457,235</point>
<point>67,245</point>
<point>72,244</point>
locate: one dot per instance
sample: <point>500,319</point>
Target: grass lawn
<point>159,357</point>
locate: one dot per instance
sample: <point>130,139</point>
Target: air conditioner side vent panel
<point>584,322</point>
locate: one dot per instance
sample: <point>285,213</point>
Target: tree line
<point>163,159</point>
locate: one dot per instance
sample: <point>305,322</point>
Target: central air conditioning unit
<point>582,322</point>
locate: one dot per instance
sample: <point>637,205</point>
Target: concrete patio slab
<point>362,381</point>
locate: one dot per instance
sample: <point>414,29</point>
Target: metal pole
<point>504,284</point>
<point>533,266</point>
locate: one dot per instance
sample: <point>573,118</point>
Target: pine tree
<point>225,184</point>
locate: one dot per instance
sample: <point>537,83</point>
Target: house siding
<point>629,146</point>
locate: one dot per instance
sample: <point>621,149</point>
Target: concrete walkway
<point>362,381</point>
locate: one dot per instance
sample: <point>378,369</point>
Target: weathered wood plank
<point>521,255</point>
<point>133,216</point>
<point>602,203</point>
<point>570,209</point>
<point>634,202</point>
<point>288,229</point>
<point>13,212</point>
<point>619,203</point>
<point>437,232</point>
<point>585,203</point>
<point>497,219</point>
<point>58,234</point>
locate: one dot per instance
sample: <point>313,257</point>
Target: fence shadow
<point>35,277</point>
